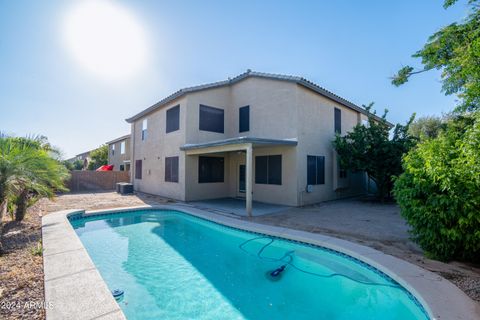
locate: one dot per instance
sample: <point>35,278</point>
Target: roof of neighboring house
<point>299,80</point>
<point>127,136</point>
<point>240,140</point>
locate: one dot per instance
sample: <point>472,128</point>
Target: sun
<point>105,38</point>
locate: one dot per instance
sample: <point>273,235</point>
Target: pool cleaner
<point>118,294</point>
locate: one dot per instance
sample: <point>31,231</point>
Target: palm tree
<point>27,169</point>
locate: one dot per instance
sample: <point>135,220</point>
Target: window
<point>210,169</point>
<point>268,169</point>
<point>173,119</point>
<point>138,169</point>
<point>342,173</point>
<point>122,167</point>
<point>338,121</point>
<point>244,119</point>
<point>113,149</point>
<point>315,170</point>
<point>211,119</point>
<point>144,129</point>
<point>171,169</point>
<point>122,147</point>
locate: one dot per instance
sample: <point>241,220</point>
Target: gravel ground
<point>21,271</point>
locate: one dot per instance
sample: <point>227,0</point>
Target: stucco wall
<point>155,148</point>
<point>315,136</point>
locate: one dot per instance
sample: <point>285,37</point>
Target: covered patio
<point>244,145</point>
<point>237,207</point>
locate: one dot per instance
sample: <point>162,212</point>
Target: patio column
<point>249,178</point>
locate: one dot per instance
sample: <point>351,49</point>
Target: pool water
<point>171,265</point>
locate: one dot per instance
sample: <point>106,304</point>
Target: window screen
<point>211,169</point>
<point>244,119</point>
<point>315,170</point>
<point>211,119</point>
<point>138,169</point>
<point>338,121</point>
<point>171,169</point>
<point>268,169</point>
<point>173,119</point>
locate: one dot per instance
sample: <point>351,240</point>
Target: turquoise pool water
<point>175,266</point>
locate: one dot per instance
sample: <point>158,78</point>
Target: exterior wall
<point>315,136</point>
<point>278,110</point>
<point>118,158</point>
<point>155,148</point>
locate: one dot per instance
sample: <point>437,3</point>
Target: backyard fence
<point>96,180</point>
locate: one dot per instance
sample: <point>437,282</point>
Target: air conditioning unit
<point>309,188</point>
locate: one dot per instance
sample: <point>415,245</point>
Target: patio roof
<point>256,142</point>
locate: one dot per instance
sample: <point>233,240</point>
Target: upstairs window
<point>211,119</point>
<point>211,169</point>
<point>244,119</point>
<point>113,149</point>
<point>173,119</point>
<point>338,121</point>
<point>171,169</point>
<point>315,170</point>
<point>268,169</point>
<point>138,169</point>
<point>144,129</point>
<point>122,147</point>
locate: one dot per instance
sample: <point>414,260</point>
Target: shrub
<point>438,192</point>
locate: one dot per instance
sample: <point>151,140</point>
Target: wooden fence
<point>96,180</point>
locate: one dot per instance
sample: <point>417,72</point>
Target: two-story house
<point>119,153</point>
<point>260,136</point>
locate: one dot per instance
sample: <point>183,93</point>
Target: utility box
<point>124,188</point>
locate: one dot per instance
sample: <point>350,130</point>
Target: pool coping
<point>75,289</point>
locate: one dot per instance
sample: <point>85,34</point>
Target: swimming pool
<point>171,265</point>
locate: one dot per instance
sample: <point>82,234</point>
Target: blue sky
<point>348,47</point>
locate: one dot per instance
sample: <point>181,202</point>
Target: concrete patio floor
<point>236,206</point>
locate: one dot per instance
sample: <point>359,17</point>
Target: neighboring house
<point>84,157</point>
<point>261,136</point>
<point>119,153</point>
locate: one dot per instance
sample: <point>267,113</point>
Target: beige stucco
<point>278,110</point>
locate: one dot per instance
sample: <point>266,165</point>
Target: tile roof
<point>299,80</point>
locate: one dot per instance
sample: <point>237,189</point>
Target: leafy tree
<point>427,127</point>
<point>438,192</point>
<point>455,50</point>
<point>99,157</point>
<point>77,165</point>
<point>370,149</point>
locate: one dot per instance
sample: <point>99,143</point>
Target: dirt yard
<point>376,225</point>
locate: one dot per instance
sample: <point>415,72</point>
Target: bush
<point>438,192</point>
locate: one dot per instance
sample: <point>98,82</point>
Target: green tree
<point>99,157</point>
<point>27,169</point>
<point>438,192</point>
<point>427,127</point>
<point>455,50</point>
<point>369,148</point>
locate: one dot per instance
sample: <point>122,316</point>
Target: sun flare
<point>106,39</point>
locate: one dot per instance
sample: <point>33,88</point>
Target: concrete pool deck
<point>75,289</point>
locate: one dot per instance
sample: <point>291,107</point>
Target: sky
<point>75,70</point>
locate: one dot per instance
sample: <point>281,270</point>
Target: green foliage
<point>99,157</point>
<point>370,149</point>
<point>37,250</point>
<point>27,170</point>
<point>427,127</point>
<point>455,50</point>
<point>75,165</point>
<point>439,191</point>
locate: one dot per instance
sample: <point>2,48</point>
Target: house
<point>259,136</point>
<point>84,157</point>
<point>119,153</point>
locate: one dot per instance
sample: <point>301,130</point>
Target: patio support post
<point>249,178</point>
